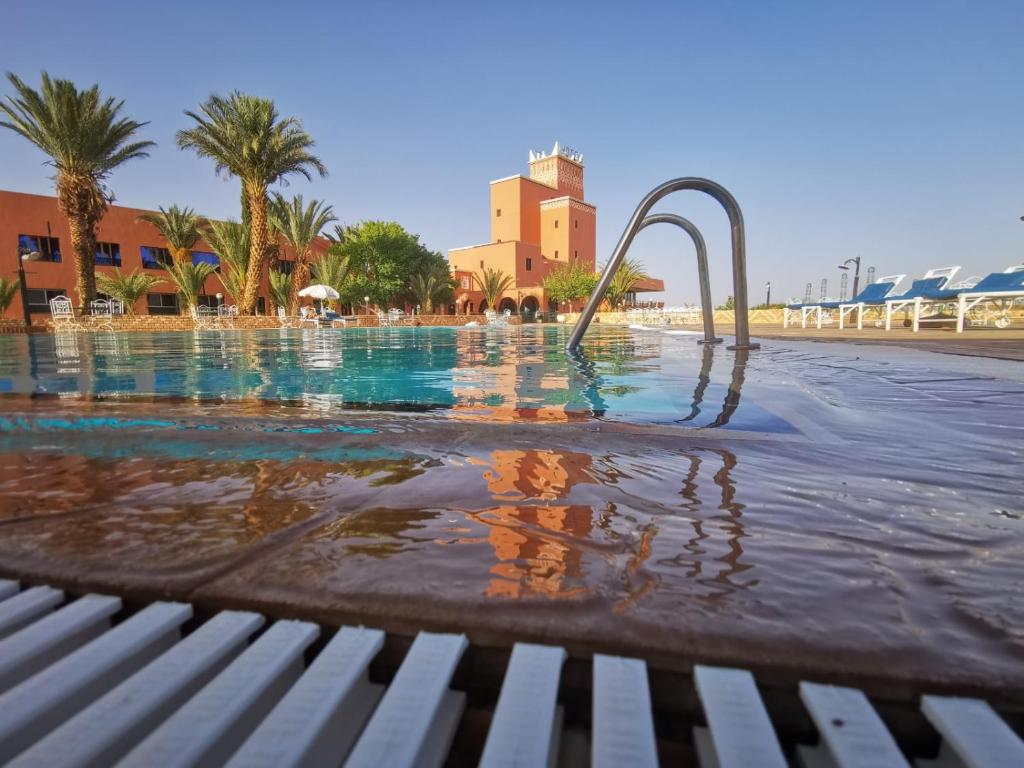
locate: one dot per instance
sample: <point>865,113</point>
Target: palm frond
<point>8,289</point>
<point>230,241</point>
<point>493,283</point>
<point>126,287</point>
<point>190,279</point>
<point>280,287</point>
<point>181,228</point>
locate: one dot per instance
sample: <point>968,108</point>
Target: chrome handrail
<point>739,257</point>
<point>707,311</point>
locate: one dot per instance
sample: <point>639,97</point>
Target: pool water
<point>830,511</point>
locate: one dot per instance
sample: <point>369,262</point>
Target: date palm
<point>230,241</point>
<point>190,279</point>
<point>300,225</point>
<point>429,287</point>
<point>629,273</point>
<point>493,283</point>
<point>246,137</point>
<point>280,287</point>
<point>8,288</point>
<point>181,228</point>
<point>331,269</point>
<point>86,138</point>
<point>126,287</point>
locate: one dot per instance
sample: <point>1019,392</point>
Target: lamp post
<point>856,272</point>
<point>220,298</point>
<point>23,283</point>
<point>768,298</point>
<point>367,300</point>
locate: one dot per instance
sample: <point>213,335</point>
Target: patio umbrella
<point>320,292</point>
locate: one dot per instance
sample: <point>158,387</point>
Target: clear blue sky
<point>893,130</point>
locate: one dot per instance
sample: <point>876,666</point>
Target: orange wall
<point>519,200</point>
<point>23,214</point>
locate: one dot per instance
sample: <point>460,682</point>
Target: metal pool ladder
<point>640,220</point>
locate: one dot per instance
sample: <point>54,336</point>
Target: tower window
<point>576,254</point>
<point>529,264</point>
<point>481,263</point>
<point>556,254</point>
<point>497,213</point>
<point>576,225</point>
<point>556,223</point>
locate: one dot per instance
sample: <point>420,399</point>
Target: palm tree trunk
<point>259,241</point>
<point>82,203</point>
<point>300,277</point>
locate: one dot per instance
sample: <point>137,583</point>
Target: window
<point>529,264</point>
<point>154,257</point>
<point>39,298</point>
<point>576,255</point>
<point>497,213</point>
<point>481,263</point>
<point>285,267</point>
<point>556,254</point>
<point>162,303</point>
<point>108,255</point>
<point>556,223</point>
<point>207,301</point>
<point>576,224</point>
<point>203,257</point>
<point>464,283</point>
<point>261,305</point>
<point>48,248</point>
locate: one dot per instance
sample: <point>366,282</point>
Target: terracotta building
<point>33,225</point>
<point>539,223</point>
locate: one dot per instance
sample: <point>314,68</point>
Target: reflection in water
<point>517,374</point>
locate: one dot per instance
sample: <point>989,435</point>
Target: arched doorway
<point>507,303</point>
<point>483,306</point>
<point>530,308</point>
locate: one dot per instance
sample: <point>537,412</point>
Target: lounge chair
<point>989,300</point>
<point>873,295</point>
<point>62,314</point>
<point>935,285</point>
<point>102,311</point>
<point>203,318</point>
<point>286,320</point>
<point>383,319</point>
<point>493,318</point>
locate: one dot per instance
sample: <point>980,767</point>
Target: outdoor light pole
<point>23,287</point>
<point>220,298</point>
<point>768,298</point>
<point>367,300</point>
<point>856,272</point>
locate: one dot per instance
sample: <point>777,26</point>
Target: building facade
<point>539,223</point>
<point>33,225</point>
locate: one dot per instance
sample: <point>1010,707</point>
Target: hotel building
<point>539,223</point>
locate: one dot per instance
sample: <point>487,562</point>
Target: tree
<point>246,137</point>
<point>382,259</point>
<point>432,286</point>
<point>493,283</point>
<point>569,282</point>
<point>332,269</point>
<point>8,288</point>
<point>629,273</point>
<point>86,139</point>
<point>190,279</point>
<point>300,225</point>
<point>181,228</point>
<point>280,287</point>
<point>230,241</point>
<point>730,303</point>
<point>126,287</point>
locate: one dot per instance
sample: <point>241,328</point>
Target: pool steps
<point>81,687</point>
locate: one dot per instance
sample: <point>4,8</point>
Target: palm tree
<point>280,287</point>
<point>332,268</point>
<point>230,241</point>
<point>181,227</point>
<point>126,287</point>
<point>246,137</point>
<point>299,225</point>
<point>629,273</point>
<point>86,139</point>
<point>190,279</point>
<point>493,283</point>
<point>7,290</point>
<point>428,287</point>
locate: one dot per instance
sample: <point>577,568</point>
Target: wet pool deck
<point>565,533</point>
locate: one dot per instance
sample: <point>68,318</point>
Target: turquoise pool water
<point>520,373</point>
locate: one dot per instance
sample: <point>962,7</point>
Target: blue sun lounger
<point>988,301</point>
<point>934,286</point>
<point>873,294</point>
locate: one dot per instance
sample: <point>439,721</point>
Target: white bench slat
<point>974,732</point>
<point>622,722</point>
<point>740,730</point>
<point>8,588</point>
<point>208,729</point>
<point>522,732</point>
<point>850,728</point>
<point>105,730</point>
<point>52,637</point>
<point>23,608</point>
<point>415,721</point>
<point>318,720</point>
<point>36,706</point>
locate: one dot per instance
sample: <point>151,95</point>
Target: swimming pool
<point>842,512</point>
